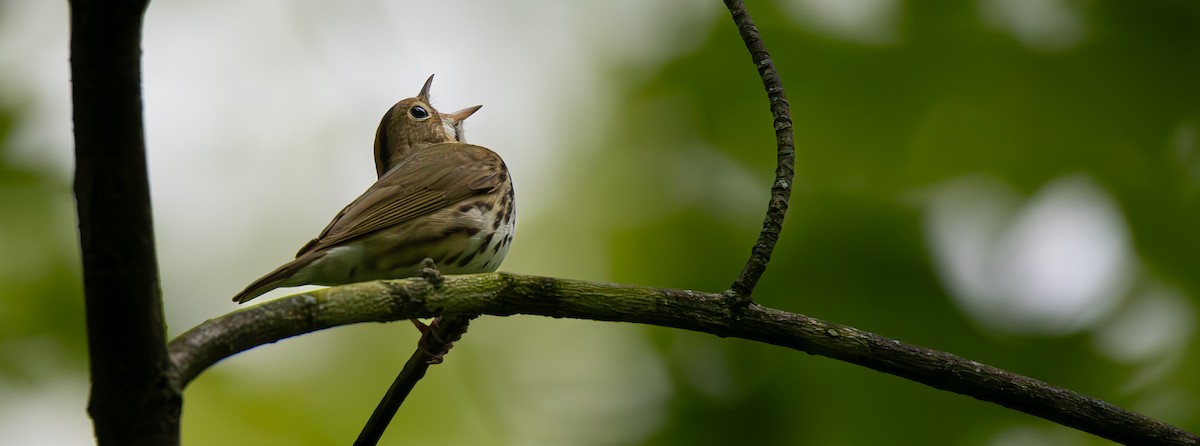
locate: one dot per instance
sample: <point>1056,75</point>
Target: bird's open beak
<point>460,115</point>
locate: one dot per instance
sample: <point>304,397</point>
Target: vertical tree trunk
<point>132,401</point>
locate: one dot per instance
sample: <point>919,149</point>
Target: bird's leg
<point>421,327</point>
<point>443,333</point>
<point>430,273</point>
<point>431,341</point>
<point>438,357</point>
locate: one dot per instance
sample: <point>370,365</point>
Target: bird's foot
<point>430,273</point>
<point>434,343</point>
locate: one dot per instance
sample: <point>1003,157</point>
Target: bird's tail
<point>282,276</point>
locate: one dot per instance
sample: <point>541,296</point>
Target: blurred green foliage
<point>876,126</point>
<point>41,305</point>
<point>676,197</point>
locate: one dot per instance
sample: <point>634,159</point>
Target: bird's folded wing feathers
<point>432,179</point>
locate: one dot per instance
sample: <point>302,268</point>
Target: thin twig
<point>447,331</point>
<point>781,189</point>
<point>504,294</point>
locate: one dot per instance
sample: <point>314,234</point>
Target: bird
<point>436,197</point>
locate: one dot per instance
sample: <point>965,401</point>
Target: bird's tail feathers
<point>282,276</point>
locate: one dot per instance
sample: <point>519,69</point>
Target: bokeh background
<point>1013,181</point>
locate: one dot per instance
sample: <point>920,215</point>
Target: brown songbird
<point>436,197</point>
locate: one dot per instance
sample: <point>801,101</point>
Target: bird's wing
<point>429,180</point>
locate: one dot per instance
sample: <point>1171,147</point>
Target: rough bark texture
<point>131,402</point>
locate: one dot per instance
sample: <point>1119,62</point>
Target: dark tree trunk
<point>132,402</point>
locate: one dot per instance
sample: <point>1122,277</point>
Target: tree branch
<point>448,330</point>
<point>504,294</point>
<point>131,401</point>
<point>781,190</point>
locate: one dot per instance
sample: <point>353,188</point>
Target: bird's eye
<point>418,112</point>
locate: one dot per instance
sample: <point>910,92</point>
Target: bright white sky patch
<point>1041,24</point>
<point>1054,264</point>
<point>863,21</point>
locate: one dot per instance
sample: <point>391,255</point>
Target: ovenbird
<point>436,197</point>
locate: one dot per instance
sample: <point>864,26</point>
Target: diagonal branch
<point>447,332</point>
<point>504,294</point>
<point>781,189</point>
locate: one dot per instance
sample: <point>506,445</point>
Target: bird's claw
<point>430,332</point>
<point>429,272</point>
